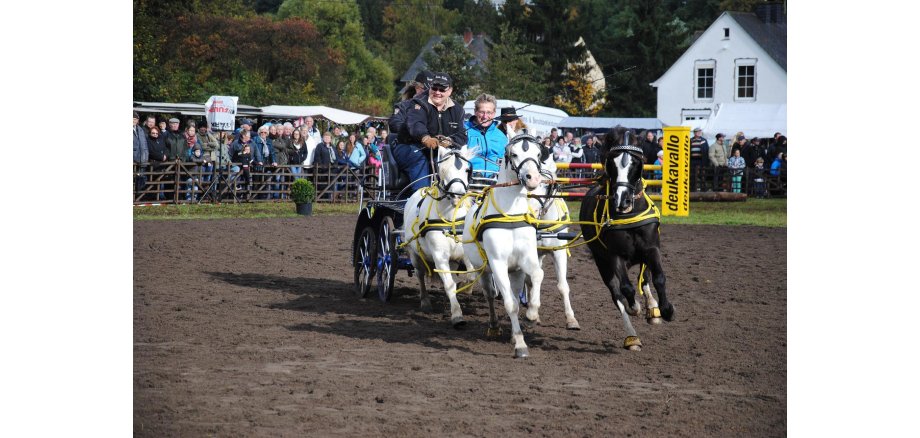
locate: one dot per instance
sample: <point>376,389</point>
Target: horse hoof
<point>653,316</point>
<point>668,313</point>
<point>632,343</point>
<point>573,326</point>
<point>457,322</point>
<point>520,353</point>
<point>632,311</point>
<point>493,332</point>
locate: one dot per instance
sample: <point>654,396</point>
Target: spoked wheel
<point>387,257</point>
<point>365,261</point>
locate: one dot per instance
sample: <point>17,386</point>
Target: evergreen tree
<point>450,55</point>
<point>407,27</point>
<point>512,72</point>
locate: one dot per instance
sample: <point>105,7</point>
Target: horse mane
<point>615,137</point>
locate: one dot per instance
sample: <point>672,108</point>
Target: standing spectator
<point>383,137</point>
<point>209,142</point>
<point>298,152</point>
<point>758,172</point>
<point>325,152</point>
<point>592,154</point>
<point>718,157</point>
<point>163,129</point>
<point>338,132</point>
<point>175,140</point>
<point>282,147</point>
<point>245,125</point>
<point>193,154</point>
<point>578,155</point>
<point>263,155</point>
<point>311,130</point>
<point>659,161</point>
<point>141,154</point>
<point>486,135</point>
<point>553,135</point>
<point>273,133</point>
<point>739,145</point>
<point>649,146</point>
<point>779,164</point>
<point>245,160</point>
<point>341,152</point>
<point>699,151</point>
<point>736,169</point>
<point>150,124</point>
<point>370,145</point>
<point>561,152</point>
<point>158,154</point>
<point>355,152</point>
<point>751,151</point>
<point>779,145</point>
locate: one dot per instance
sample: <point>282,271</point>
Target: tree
<point>579,96</point>
<point>513,72</point>
<point>368,78</point>
<point>408,25</point>
<point>451,55</point>
<point>635,42</point>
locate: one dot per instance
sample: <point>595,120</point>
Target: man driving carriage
<point>433,120</point>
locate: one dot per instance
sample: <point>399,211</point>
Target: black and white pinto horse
<point>627,224</point>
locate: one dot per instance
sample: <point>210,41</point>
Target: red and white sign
<point>221,112</point>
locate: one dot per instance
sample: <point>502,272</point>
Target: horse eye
<point>513,155</point>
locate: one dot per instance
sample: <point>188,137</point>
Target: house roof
<point>477,46</point>
<point>770,36</point>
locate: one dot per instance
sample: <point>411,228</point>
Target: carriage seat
<point>394,179</point>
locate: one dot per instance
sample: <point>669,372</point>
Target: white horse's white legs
<point>652,315</point>
<point>509,298</point>
<point>561,260</point>
<point>442,263</point>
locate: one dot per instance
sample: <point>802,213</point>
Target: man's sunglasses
<point>439,88</point>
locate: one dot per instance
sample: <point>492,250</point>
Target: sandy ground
<point>257,333</point>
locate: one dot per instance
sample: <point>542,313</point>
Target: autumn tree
<point>578,95</point>
<point>368,78</point>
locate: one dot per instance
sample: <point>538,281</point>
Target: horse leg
<point>500,275</point>
<point>618,269</point>
<point>442,263</point>
<point>488,290</point>
<point>423,291</point>
<point>533,302</point>
<point>652,314</point>
<point>659,280</point>
<point>629,291</point>
<point>561,260</point>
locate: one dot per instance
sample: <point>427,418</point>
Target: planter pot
<point>305,209</point>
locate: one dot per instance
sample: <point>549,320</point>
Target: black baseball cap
<point>441,79</point>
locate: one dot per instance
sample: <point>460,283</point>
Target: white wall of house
<point>678,101</point>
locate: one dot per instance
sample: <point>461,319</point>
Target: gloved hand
<point>430,142</point>
<point>444,142</point>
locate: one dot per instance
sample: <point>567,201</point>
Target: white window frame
<point>690,114</point>
<point>745,62</point>
<point>697,66</point>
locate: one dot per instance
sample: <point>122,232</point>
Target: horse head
<point>454,171</point>
<point>623,162</point>
<point>523,156</point>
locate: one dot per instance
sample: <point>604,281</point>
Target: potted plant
<point>303,194</point>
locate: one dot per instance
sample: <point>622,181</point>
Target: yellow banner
<point>675,172</point>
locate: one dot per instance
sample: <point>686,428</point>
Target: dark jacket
<point>175,143</point>
<point>425,120</point>
<point>592,155</point>
<point>398,127</point>
<point>321,156</point>
<point>282,148</point>
<point>650,151</point>
<point>157,148</point>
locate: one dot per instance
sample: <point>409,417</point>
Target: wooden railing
<point>180,182</point>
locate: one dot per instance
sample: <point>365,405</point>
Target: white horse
<point>508,251</point>
<point>554,209</point>
<point>429,220</point>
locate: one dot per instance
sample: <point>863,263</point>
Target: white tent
<point>539,119</point>
<point>337,116</point>
<point>754,119</point>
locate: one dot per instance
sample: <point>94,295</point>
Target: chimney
<point>467,36</point>
<point>770,12</point>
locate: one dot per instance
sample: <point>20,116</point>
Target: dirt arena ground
<point>250,328</point>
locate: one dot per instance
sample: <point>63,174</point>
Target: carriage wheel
<point>365,261</point>
<point>387,258</point>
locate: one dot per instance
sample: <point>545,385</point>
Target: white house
<point>740,60</point>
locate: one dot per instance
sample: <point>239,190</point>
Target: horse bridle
<point>636,153</point>
<point>458,164</point>
<point>526,147</point>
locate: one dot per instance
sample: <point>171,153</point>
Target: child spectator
<point>759,182</point>
<point>736,169</point>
